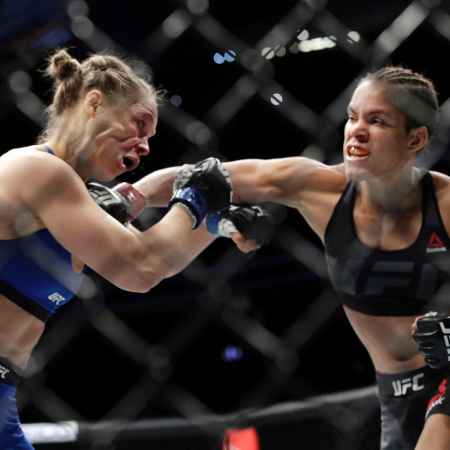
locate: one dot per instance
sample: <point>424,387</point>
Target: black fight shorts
<point>407,400</point>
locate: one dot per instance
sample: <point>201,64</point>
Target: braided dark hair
<point>412,93</point>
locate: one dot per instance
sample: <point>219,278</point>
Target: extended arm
<point>282,180</point>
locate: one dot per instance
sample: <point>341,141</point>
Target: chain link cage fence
<point>253,343</point>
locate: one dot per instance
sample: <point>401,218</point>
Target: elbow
<point>145,282</point>
<point>136,282</point>
<point>140,281</point>
<point>144,277</point>
<point>141,270</point>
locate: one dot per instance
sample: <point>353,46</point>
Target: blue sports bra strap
<point>49,150</point>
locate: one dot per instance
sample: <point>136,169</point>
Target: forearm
<point>172,245</point>
<point>157,186</point>
<point>163,249</point>
<point>248,181</point>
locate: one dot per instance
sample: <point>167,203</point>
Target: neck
<point>68,145</point>
<point>393,196</point>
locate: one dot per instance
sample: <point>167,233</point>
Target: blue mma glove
<point>202,188</point>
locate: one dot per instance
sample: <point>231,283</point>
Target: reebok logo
<point>435,244</point>
<point>401,387</point>
<point>3,372</point>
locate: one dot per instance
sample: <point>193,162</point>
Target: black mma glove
<point>123,202</point>
<point>202,188</point>
<point>432,335</point>
<point>252,221</point>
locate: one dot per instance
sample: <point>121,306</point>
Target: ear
<point>92,101</point>
<point>418,139</point>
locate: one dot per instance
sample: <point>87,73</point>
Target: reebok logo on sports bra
<point>435,244</point>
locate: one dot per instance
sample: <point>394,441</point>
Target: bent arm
<point>129,259</point>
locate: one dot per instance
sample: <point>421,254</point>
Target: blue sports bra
<point>36,273</point>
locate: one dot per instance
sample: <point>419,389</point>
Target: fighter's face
<point>121,138</point>
<point>375,138</point>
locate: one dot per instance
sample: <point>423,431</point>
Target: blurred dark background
<point>232,332</point>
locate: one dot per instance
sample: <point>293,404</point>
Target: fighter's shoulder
<point>27,174</point>
<point>328,177</point>
<point>30,161</point>
<point>442,188</point>
<point>441,183</point>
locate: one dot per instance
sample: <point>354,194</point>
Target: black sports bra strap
<point>430,205</point>
<point>342,214</point>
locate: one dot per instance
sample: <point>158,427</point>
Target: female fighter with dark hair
<point>385,227</point>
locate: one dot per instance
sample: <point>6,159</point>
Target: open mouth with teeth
<point>357,152</point>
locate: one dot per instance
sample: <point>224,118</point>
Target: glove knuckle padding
<point>109,201</point>
<point>212,182</point>
<point>183,176</point>
<point>251,221</point>
<point>202,188</point>
<point>431,339</point>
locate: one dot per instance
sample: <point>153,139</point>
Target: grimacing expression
<point>122,138</point>
<point>375,136</point>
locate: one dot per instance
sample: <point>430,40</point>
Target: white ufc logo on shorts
<point>401,387</point>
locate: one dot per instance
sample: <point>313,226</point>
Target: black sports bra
<point>389,282</point>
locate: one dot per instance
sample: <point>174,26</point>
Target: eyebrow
<point>147,115</point>
<point>374,111</point>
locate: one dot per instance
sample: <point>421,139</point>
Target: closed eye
<point>141,124</point>
<point>145,124</point>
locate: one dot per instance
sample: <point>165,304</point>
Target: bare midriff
<point>388,341</point>
<point>19,333</point>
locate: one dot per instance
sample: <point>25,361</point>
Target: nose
<point>143,148</point>
<point>358,129</point>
